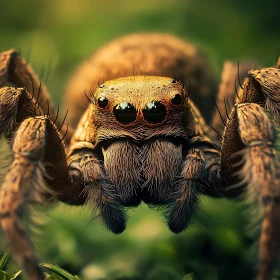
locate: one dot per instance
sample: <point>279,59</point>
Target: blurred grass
<point>56,36</point>
<point>147,250</point>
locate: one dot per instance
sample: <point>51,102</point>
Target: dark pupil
<point>102,102</point>
<point>154,112</point>
<point>177,99</point>
<point>125,113</point>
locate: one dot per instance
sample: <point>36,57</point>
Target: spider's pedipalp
<point>184,199</point>
<point>108,204</point>
<point>99,193</point>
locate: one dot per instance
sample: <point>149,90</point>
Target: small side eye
<point>102,102</point>
<point>177,99</point>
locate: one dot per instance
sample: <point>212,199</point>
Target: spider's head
<point>141,107</point>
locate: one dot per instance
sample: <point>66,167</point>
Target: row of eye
<point>154,112</point>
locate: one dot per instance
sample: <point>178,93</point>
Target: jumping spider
<point>140,138</point>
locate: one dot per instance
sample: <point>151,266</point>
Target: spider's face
<point>140,108</point>
<point>141,130</point>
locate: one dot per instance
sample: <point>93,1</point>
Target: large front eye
<point>102,102</point>
<point>125,113</point>
<point>154,112</point>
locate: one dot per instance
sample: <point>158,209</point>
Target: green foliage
<point>147,250</point>
<point>3,274</point>
<point>58,273</point>
<point>3,261</point>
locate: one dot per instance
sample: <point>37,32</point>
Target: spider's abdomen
<point>142,54</point>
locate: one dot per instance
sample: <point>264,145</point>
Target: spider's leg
<point>263,87</point>
<point>278,63</point>
<point>249,162</point>
<point>21,87</point>
<point>232,75</point>
<point>224,98</point>
<point>16,104</point>
<point>250,165</point>
<point>38,174</point>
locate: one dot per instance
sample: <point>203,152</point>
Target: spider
<point>140,138</point>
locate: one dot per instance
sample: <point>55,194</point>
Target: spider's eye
<point>154,112</point>
<point>177,99</point>
<point>102,102</point>
<point>125,113</point>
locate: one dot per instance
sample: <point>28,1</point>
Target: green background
<point>57,35</point>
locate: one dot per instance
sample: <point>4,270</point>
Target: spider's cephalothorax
<point>141,135</point>
<point>140,138</point>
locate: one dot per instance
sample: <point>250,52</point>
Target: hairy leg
<point>232,75</point>
<point>39,171</point>
<point>29,181</point>
<point>278,63</point>
<point>14,74</point>
<point>249,163</point>
<point>256,166</point>
<point>15,106</point>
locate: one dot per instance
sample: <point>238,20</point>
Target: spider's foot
<point>113,217</point>
<point>181,209</point>
<point>109,207</point>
